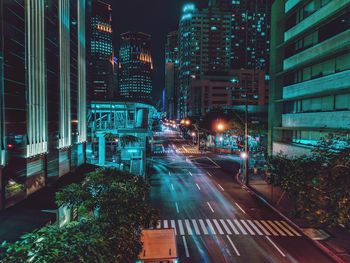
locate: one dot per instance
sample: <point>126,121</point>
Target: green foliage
<point>319,183</point>
<point>110,137</point>
<point>109,230</point>
<point>127,139</point>
<point>13,188</point>
<point>236,122</point>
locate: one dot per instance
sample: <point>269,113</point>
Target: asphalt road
<point>215,219</point>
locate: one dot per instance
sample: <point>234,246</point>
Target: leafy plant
<point>113,212</point>
<point>128,139</point>
<point>319,183</point>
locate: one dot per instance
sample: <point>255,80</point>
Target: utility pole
<point>246,147</point>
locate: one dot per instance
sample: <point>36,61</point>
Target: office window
<point>343,62</point>
<point>342,102</point>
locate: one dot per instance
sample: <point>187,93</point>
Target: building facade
<point>112,121</point>
<point>102,51</point>
<point>135,66</point>
<point>221,92</point>
<point>310,73</point>
<point>43,98</point>
<point>172,74</point>
<point>204,47</point>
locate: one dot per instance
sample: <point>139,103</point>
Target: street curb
<point>324,248</point>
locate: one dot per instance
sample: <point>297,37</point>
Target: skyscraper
<point>43,96</point>
<point>250,33</point>
<point>204,46</point>
<point>135,66</point>
<point>172,73</point>
<point>310,74</point>
<point>102,51</point>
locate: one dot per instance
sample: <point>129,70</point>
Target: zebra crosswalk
<point>190,227</point>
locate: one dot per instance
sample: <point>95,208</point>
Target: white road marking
<point>262,228</point>
<point>205,231</point>
<point>211,227</point>
<point>291,229</point>
<point>240,208</point>
<point>186,248</point>
<point>181,228</point>
<point>221,187</point>
<point>188,226</point>
<point>172,187</point>
<point>226,227</point>
<point>172,222</point>
<point>283,228</point>
<point>240,227</point>
<point>190,173</point>
<point>196,228</point>
<point>177,207</point>
<point>218,166</point>
<point>247,227</point>
<point>229,227</point>
<point>233,246</point>
<point>169,173</point>
<point>278,249</point>
<point>269,228</point>
<point>216,223</point>
<point>198,187</point>
<point>232,226</point>
<point>276,228</point>
<point>210,207</point>
<point>209,174</point>
<point>255,228</point>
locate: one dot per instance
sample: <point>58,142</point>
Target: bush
<point>114,211</point>
<point>319,184</point>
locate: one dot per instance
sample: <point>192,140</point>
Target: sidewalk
<point>29,215</point>
<point>339,240</point>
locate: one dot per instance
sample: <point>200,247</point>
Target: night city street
<point>174,131</point>
<point>216,220</point>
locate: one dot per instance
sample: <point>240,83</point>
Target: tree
<point>128,139</point>
<point>318,183</point>
<point>113,212</point>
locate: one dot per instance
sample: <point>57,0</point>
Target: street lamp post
<point>244,156</point>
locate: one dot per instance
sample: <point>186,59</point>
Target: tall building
<point>43,94</point>
<point>204,46</point>
<point>219,92</point>
<point>135,66</point>
<point>250,43</point>
<point>310,74</point>
<point>171,74</point>
<point>102,51</point>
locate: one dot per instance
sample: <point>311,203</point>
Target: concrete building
<point>204,47</point>
<point>172,74</point>
<point>109,123</point>
<point>310,73</point>
<point>101,51</point>
<point>135,66</point>
<point>213,92</point>
<point>43,98</point>
<point>250,32</point>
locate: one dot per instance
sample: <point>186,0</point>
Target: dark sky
<point>155,17</point>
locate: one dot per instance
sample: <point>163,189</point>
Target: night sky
<point>155,17</point>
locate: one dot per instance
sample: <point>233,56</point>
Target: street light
<point>187,122</point>
<point>220,127</point>
<point>244,155</point>
<point>235,81</point>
